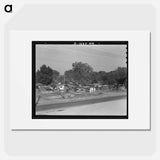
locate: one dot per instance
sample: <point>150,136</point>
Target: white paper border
<point>139,77</point>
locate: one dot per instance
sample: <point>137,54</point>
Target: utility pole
<point>64,78</point>
<point>64,84</point>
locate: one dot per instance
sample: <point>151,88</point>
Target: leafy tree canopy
<point>46,75</point>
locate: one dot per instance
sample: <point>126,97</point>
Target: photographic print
<point>80,79</point>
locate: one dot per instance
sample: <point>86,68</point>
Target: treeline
<point>83,74</point>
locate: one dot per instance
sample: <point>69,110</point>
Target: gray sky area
<point>100,57</point>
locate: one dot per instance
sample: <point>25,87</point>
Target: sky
<point>100,57</point>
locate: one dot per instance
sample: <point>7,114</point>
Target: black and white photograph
<point>80,79</point>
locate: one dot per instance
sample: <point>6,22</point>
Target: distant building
<point>61,87</point>
<point>92,89</point>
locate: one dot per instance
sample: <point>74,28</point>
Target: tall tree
<point>69,77</point>
<point>81,72</point>
<point>46,75</point>
<point>121,75</point>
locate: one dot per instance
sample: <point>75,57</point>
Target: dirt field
<point>56,99</point>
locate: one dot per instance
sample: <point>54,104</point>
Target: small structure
<point>61,87</point>
<point>98,86</point>
<point>92,90</point>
